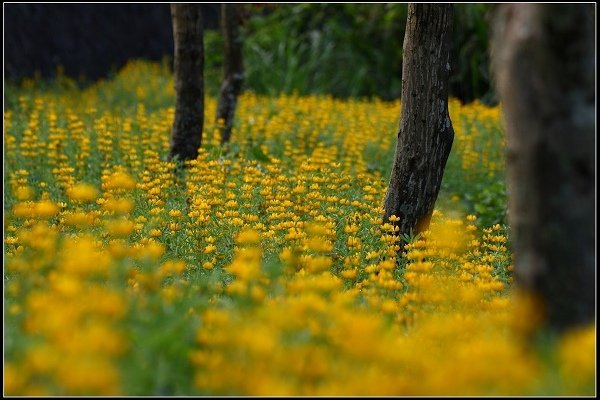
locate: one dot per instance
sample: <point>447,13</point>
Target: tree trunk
<point>233,69</point>
<point>544,62</point>
<point>426,135</point>
<point>186,136</point>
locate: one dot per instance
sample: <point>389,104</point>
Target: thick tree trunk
<point>186,136</point>
<point>544,62</point>
<point>233,68</point>
<point>426,134</point>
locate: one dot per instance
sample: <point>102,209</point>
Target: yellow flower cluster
<point>264,270</point>
<point>478,154</point>
<point>315,338</point>
<point>71,320</point>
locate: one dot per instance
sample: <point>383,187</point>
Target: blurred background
<point>346,50</point>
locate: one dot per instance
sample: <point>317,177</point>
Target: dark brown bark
<point>544,62</point>
<point>233,68</point>
<point>426,135</point>
<point>186,136</point>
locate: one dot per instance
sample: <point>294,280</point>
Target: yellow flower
<point>169,294</point>
<point>118,206</point>
<point>24,210</point>
<point>66,284</point>
<point>257,293</point>
<point>353,242</point>
<point>119,227</point>
<point>152,250</point>
<point>208,265</point>
<point>23,193</point>
<point>316,229</point>
<point>318,244</point>
<point>82,192</point>
<point>248,237</point>
<point>237,287</point>
<point>119,180</point>
<point>81,256</point>
<point>46,209</point>
<point>175,213</point>
<point>14,379</point>
<point>351,228</point>
<point>318,263</point>
<point>576,354</point>
<point>287,255</point>
<point>527,314</point>
<point>172,267</point>
<point>155,232</point>
<point>86,375</point>
<point>349,273</point>
<point>394,218</point>
<point>79,218</point>
<point>389,306</point>
<point>245,265</point>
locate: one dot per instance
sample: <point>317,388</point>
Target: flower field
<point>262,269</point>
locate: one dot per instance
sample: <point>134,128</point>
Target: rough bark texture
<point>426,135</point>
<point>188,70</point>
<point>544,63</point>
<point>233,68</point>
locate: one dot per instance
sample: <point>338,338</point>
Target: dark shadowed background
<point>88,40</point>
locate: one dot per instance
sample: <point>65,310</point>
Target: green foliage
<point>339,49</point>
<point>470,75</point>
<point>348,50</point>
<point>213,61</point>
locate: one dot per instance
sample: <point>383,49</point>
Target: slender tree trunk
<point>544,63</point>
<point>186,136</point>
<point>233,69</point>
<point>426,135</point>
